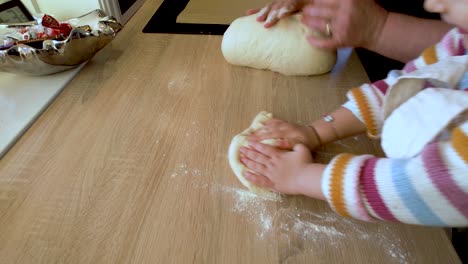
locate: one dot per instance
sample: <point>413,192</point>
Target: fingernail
<point>263,11</point>
<point>283,11</point>
<point>273,14</point>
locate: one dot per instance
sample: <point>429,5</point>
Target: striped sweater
<point>429,187</point>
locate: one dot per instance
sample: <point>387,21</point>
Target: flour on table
<point>289,226</point>
<point>292,230</point>
<point>183,170</point>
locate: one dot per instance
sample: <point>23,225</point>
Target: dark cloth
<point>378,66</point>
<point>408,7</point>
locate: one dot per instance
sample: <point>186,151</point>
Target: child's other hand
<point>286,133</point>
<point>290,172</point>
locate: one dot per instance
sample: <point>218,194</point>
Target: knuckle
<point>255,180</point>
<point>270,164</point>
<point>260,147</point>
<point>249,154</point>
<point>263,182</point>
<point>276,157</point>
<point>254,156</point>
<point>252,177</point>
<point>258,168</point>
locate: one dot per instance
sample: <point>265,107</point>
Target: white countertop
<point>22,100</point>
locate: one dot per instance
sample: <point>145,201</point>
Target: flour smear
<point>297,229</point>
<point>294,225</point>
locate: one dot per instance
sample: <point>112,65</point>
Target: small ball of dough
<point>234,155</point>
<point>282,48</point>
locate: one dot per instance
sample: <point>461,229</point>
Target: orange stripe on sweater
<point>365,110</point>
<point>337,184</point>
<point>460,143</point>
<point>429,55</point>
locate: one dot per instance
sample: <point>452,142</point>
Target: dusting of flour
<point>295,228</point>
<point>291,224</point>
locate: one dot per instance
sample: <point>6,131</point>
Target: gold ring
<point>328,32</point>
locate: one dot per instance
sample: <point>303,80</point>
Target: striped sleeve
<point>450,45</point>
<point>429,189</point>
<point>366,101</point>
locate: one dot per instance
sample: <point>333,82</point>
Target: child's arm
<point>345,123</point>
<point>429,189</point>
<point>360,114</point>
<point>363,111</point>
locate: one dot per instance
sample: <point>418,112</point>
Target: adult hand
<point>271,13</point>
<point>286,134</point>
<point>290,172</point>
<point>349,23</point>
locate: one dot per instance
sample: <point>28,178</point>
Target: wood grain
<point>216,11</point>
<point>129,165</point>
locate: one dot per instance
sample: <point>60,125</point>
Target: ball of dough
<point>234,161</point>
<point>282,48</point>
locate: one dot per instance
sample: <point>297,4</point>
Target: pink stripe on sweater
<point>441,178</point>
<point>381,85</point>
<point>409,67</point>
<point>453,44</point>
<point>448,44</point>
<point>461,47</point>
<point>371,192</point>
<point>463,31</point>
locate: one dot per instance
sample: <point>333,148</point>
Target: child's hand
<point>290,172</point>
<point>271,13</point>
<point>287,134</point>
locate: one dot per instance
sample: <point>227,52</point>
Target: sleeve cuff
<point>351,106</point>
<point>340,185</point>
<point>369,102</point>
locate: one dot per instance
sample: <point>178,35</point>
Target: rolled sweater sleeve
<point>366,101</point>
<point>428,189</point>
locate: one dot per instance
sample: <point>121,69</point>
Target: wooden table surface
<point>216,11</point>
<point>129,165</point>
